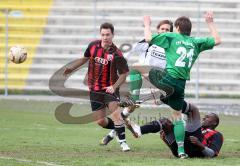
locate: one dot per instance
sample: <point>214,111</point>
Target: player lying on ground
<point>201,140</point>
<point>149,56</point>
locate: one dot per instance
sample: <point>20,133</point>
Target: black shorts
<point>190,149</point>
<point>100,99</point>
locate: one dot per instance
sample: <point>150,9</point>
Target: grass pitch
<point>31,135</point>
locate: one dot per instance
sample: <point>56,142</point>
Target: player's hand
<point>127,102</point>
<point>146,21</point>
<point>194,140</point>
<point>67,71</point>
<point>109,89</point>
<point>209,16</point>
<point>162,135</point>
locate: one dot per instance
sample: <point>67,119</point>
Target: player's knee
<point>193,108</point>
<point>102,122</point>
<point>186,108</point>
<point>177,115</point>
<point>167,125</point>
<point>189,108</point>
<point>156,127</point>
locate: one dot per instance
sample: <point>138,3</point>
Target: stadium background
<point>56,32</point>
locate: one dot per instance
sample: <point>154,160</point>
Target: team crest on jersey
<point>110,57</point>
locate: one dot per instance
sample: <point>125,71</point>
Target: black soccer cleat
<point>106,140</point>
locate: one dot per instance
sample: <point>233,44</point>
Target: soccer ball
<point>18,54</point>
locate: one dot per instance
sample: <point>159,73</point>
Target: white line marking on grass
<point>30,161</point>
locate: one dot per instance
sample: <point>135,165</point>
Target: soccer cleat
<point>108,138</point>
<point>134,128</point>
<point>183,156</point>
<point>124,146</point>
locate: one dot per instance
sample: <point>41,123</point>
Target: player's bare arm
<point>121,80</point>
<point>212,27</point>
<point>79,62</point>
<point>118,83</point>
<point>147,28</point>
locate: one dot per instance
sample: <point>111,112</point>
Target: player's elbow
<point>207,152</point>
<point>125,75</point>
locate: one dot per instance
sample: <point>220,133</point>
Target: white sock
<point>112,133</point>
<point>125,112</point>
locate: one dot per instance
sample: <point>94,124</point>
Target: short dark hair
<point>107,25</point>
<point>216,120</point>
<point>165,22</point>
<point>184,24</point>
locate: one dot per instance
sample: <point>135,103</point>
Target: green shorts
<point>162,80</point>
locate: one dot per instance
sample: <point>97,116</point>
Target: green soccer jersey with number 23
<point>181,51</point>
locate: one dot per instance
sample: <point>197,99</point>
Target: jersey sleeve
<point>216,144</point>
<point>141,46</point>
<point>87,51</point>
<point>205,43</point>
<point>160,40</point>
<point>121,65</point>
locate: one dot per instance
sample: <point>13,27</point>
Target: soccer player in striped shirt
<point>107,71</point>
<point>201,139</point>
<point>149,56</point>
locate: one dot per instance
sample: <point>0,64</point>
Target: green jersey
<point>181,51</point>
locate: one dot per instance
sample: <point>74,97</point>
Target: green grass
<point>30,131</point>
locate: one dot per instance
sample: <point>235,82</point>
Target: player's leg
<point>118,124</point>
<point>192,128</point>
<point>151,127</point>
<point>163,80</point>
<point>127,111</point>
<point>179,132</point>
<point>112,103</point>
<point>106,123</point>
<point>124,114</point>
<point>176,101</point>
<point>98,106</point>
<point>135,84</point>
<point>108,138</point>
<point>193,116</point>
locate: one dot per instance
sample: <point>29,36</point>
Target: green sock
<point>135,84</point>
<point>179,133</point>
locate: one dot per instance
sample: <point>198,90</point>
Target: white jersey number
<point>183,54</point>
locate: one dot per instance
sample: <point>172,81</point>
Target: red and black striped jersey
<point>212,139</point>
<point>104,66</point>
